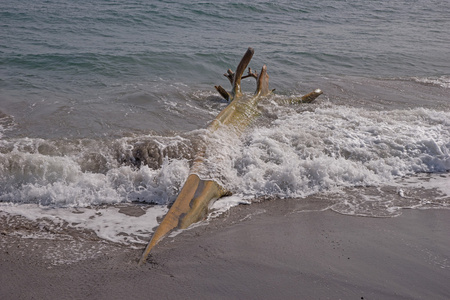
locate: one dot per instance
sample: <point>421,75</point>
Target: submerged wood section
<point>197,194</point>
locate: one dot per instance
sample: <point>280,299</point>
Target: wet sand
<point>261,251</point>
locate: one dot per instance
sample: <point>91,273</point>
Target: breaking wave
<point>298,154</point>
<point>338,146</point>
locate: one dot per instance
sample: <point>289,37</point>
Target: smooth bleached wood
<point>197,194</point>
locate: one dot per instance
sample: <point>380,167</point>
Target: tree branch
<point>223,92</point>
<point>308,98</point>
<point>251,74</point>
<point>240,71</point>
<point>230,75</point>
<point>262,83</point>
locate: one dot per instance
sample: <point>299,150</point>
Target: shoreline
<point>261,251</point>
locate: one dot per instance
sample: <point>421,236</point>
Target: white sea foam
<point>293,156</point>
<point>6,123</point>
<point>107,222</point>
<point>440,183</point>
<point>224,204</point>
<point>302,152</point>
<point>443,81</point>
<point>65,180</point>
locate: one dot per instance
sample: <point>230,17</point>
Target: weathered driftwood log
<point>196,195</point>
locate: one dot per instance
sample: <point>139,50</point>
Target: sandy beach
<point>265,250</point>
<point>108,108</point>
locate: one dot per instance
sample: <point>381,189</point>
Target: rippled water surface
<point>105,102</point>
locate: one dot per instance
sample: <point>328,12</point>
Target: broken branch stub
<point>230,75</point>
<point>223,92</point>
<point>262,83</point>
<point>308,98</point>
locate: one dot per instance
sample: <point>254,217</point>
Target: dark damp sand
<point>261,251</point>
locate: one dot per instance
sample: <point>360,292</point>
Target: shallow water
<point>106,103</point>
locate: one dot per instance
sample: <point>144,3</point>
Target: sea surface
<point>104,103</point>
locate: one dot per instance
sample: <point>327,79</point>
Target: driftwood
<point>197,194</point>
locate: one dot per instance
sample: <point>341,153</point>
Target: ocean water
<point>104,103</point>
